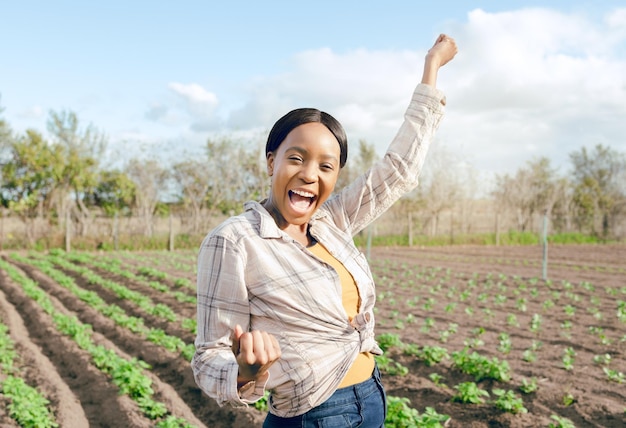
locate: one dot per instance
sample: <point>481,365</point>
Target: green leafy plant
<point>437,379</point>
<point>504,343</point>
<point>387,341</point>
<point>613,375</point>
<point>481,367</point>
<point>390,367</point>
<point>469,392</point>
<point>568,358</point>
<point>431,355</point>
<point>401,415</point>
<point>560,422</point>
<point>568,399</point>
<point>508,401</point>
<point>535,323</point>
<point>603,360</point>
<point>27,406</point>
<point>528,386</point>
<point>262,403</point>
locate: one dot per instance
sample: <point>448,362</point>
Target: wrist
<point>429,77</point>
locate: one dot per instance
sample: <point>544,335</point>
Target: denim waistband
<point>349,393</point>
<point>342,396</point>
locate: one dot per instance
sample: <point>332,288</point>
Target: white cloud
<point>534,83</point>
<point>34,112</point>
<point>527,83</point>
<point>192,107</point>
<point>194,94</point>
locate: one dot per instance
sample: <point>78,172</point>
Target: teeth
<point>303,193</point>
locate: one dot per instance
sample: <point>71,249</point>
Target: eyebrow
<point>304,151</point>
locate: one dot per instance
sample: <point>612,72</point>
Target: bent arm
<point>222,305</point>
<point>438,55</point>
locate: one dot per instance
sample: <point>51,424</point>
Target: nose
<point>308,173</point>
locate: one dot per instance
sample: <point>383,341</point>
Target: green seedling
<point>505,343</point>
<point>469,392</point>
<point>614,375</point>
<point>528,386</point>
<point>568,358</point>
<point>437,379</point>
<point>560,422</point>
<point>508,401</point>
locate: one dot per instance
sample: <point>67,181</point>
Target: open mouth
<point>300,199</point>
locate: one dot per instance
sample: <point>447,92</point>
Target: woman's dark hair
<point>297,117</point>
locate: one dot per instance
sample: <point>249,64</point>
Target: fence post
<point>451,226</point>
<point>497,228</point>
<point>410,229</point>
<point>545,246</point>
<point>115,232</point>
<point>171,239</point>
<point>1,229</point>
<point>68,245</point>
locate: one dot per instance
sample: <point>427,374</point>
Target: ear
<point>270,163</point>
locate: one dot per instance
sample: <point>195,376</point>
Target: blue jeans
<point>363,405</point>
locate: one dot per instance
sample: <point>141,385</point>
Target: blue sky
<point>531,78</point>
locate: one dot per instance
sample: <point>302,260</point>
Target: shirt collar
<point>267,225</point>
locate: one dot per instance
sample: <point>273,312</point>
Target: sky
<point>532,79</point>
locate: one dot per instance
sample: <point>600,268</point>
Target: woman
<point>285,299</point>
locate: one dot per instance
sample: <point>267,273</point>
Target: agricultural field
<point>474,337</point>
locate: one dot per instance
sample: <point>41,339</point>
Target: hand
<point>439,55</point>
<point>442,51</point>
<point>255,352</point>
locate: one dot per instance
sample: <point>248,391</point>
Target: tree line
<point>63,180</point>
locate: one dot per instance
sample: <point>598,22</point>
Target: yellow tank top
<point>363,366</point>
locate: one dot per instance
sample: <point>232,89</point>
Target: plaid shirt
<point>253,274</point>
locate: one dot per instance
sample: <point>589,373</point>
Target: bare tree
<point>357,164</point>
<point>82,148</point>
<point>441,186</point>
<point>192,177</point>
<point>532,190</point>
<point>150,179</point>
<point>236,174</point>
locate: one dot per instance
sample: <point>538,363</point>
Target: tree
<point>29,178</point>
<point>114,192</point>
<point>150,179</point>
<point>599,189</point>
<point>532,190</point>
<point>561,213</point>
<point>81,149</point>
<point>192,177</point>
<point>357,165</point>
<point>440,188</point>
<point>237,174</point>
<point>5,133</point>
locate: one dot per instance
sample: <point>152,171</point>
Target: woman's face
<point>304,170</point>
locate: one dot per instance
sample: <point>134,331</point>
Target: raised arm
<point>438,55</point>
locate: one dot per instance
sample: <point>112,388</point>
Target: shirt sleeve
<point>372,193</point>
<point>222,304</point>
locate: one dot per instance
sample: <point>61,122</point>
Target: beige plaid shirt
<point>253,274</point>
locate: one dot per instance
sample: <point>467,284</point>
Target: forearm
<point>429,76</point>
<point>439,55</point>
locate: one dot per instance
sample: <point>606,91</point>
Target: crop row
<point>127,374</point>
<point>134,324</point>
<point>27,405</point>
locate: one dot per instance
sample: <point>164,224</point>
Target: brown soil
<point>484,285</point>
